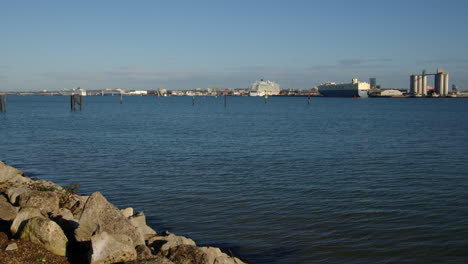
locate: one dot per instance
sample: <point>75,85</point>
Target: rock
<point>65,219</point>
<point>22,217</point>
<point>153,260</point>
<point>186,254</point>
<point>168,240</point>
<point>139,221</point>
<point>41,185</point>
<point>75,203</point>
<point>112,248</point>
<point>12,246</point>
<point>10,174</point>
<point>14,193</point>
<point>216,256</point>
<point>127,212</point>
<point>143,252</point>
<point>61,213</point>
<point>212,253</point>
<point>43,231</point>
<point>45,201</point>
<point>3,197</point>
<point>7,211</point>
<point>101,216</point>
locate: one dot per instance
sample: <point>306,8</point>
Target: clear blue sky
<point>199,44</point>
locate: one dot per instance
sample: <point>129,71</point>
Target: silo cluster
<point>441,82</point>
<point>418,85</point>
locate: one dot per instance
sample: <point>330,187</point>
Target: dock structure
<point>74,100</point>
<point>2,103</point>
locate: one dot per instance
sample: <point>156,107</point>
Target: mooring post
<point>266,99</point>
<point>193,100</point>
<point>121,99</point>
<point>226,91</point>
<point>308,99</point>
<point>81,101</point>
<point>2,103</point>
<point>76,99</point>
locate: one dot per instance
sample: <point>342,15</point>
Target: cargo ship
<point>353,89</point>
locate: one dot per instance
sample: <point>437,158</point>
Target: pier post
<point>266,99</point>
<point>74,100</point>
<point>308,99</point>
<point>121,99</point>
<point>3,103</point>
<point>193,100</point>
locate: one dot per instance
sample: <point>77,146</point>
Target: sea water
<point>339,180</point>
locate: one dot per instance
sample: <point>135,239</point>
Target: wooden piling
<point>193,100</point>
<point>226,91</point>
<point>308,99</point>
<point>74,100</point>
<point>266,99</point>
<point>3,103</point>
<point>121,99</point>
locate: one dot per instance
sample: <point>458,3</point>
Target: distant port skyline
<point>186,45</point>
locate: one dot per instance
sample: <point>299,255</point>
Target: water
<point>336,181</point>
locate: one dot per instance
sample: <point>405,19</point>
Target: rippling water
<point>336,181</point>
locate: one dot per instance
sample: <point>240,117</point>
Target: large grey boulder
<point>112,248</point>
<point>45,201</point>
<point>101,216</point>
<point>22,217</point>
<point>139,221</point>
<point>7,211</point>
<point>43,231</point>
<point>167,241</point>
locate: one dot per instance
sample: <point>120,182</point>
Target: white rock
<point>108,248</point>
<point>12,246</point>
<point>127,212</point>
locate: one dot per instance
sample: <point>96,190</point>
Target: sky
<point>178,45</point>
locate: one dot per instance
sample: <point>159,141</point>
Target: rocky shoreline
<point>89,229</point>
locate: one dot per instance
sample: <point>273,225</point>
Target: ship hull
<point>344,93</point>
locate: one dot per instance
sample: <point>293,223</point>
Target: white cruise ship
<point>262,88</point>
<point>353,89</point>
